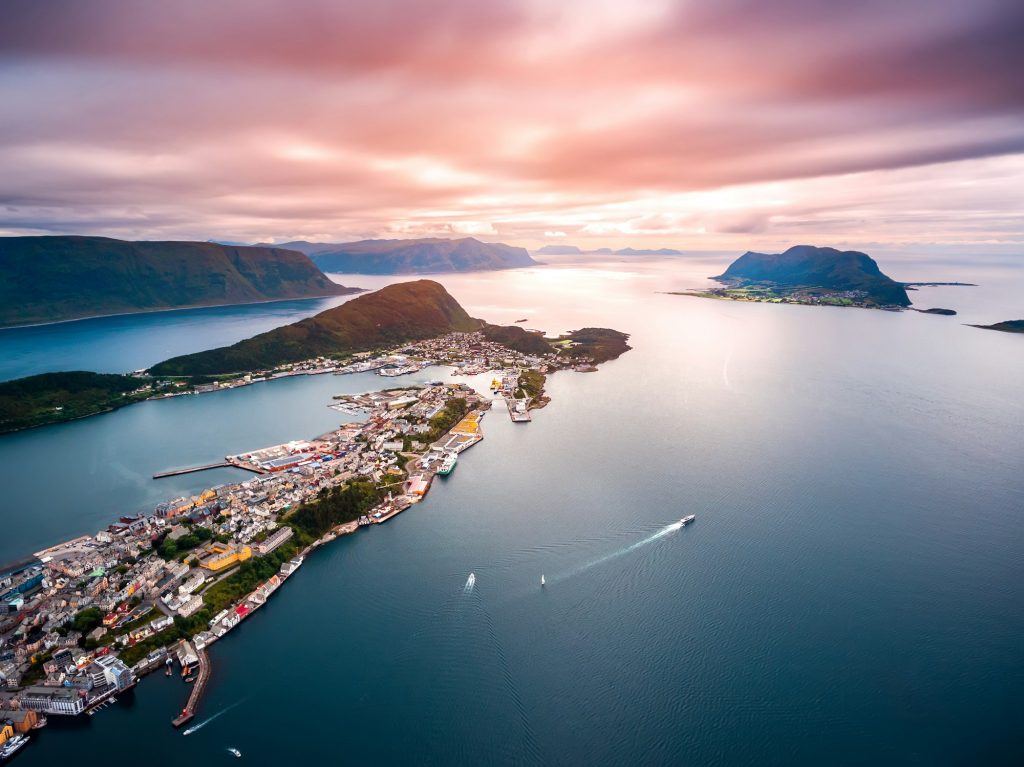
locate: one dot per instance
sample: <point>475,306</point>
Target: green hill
<point>423,256</point>
<point>806,266</point>
<point>408,311</point>
<point>48,279</point>
<point>54,397</point>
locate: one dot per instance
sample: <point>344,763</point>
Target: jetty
<point>191,469</point>
<point>198,688</point>
<point>207,467</point>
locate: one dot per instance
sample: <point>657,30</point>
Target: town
<point>82,621</point>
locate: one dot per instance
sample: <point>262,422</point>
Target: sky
<point>704,125</point>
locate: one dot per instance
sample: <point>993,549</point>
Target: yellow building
<point>6,732</point>
<point>468,425</point>
<point>220,556</point>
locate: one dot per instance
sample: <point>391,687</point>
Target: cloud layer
<point>676,122</point>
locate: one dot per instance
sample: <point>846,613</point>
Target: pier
<point>207,467</point>
<point>198,688</point>
<point>191,469</point>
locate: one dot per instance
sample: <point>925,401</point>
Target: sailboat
<point>542,579</point>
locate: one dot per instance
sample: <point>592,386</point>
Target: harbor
<point>180,569</point>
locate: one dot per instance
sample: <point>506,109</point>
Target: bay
<point>849,592</point>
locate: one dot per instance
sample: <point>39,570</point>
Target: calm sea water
<point>850,591</point>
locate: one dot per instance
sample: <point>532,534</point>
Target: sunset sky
<point>592,122</point>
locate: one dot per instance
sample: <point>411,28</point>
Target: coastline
<point>348,292</point>
<point>261,528</point>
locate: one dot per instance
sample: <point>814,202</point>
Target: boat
<point>13,745</point>
<point>471,581</point>
<point>542,579</point>
<point>687,520</point>
<point>235,751</point>
<point>448,463</point>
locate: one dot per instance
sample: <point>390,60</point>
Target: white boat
<point>448,463</point>
<point>471,581</point>
<point>236,752</point>
<point>542,579</point>
<point>687,520</point>
<point>12,746</point>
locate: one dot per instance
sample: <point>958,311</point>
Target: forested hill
<point>49,279</point>
<point>812,267</point>
<point>407,311</point>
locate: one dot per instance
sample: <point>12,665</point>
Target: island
<point>943,312</point>
<point>85,619</point>
<point>414,256</point>
<point>1009,326</point>
<point>57,278</point>
<point>806,274</point>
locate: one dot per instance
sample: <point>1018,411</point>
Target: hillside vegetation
<point>54,397</point>
<point>806,266</point>
<point>408,311</point>
<point>49,279</point>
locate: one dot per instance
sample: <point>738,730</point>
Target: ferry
<point>12,746</point>
<point>687,520</point>
<point>236,752</point>
<point>448,463</point>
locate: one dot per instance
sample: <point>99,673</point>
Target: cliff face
<point>47,279</point>
<point>424,256</point>
<point>809,266</point>
<point>408,311</point>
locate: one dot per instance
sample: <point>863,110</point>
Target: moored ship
<point>12,746</point>
<point>448,463</point>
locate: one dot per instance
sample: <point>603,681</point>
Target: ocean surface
<point>850,592</point>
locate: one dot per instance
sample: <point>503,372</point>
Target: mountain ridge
<point>429,255</point>
<point>55,278</point>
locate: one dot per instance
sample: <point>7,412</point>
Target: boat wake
<point>205,722</point>
<point>666,530</point>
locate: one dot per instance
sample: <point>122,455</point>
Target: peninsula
<point>331,341</point>
<point>52,279</point>
<point>85,619</point>
<point>806,274</point>
<point>419,256</point>
<point>1009,326</point>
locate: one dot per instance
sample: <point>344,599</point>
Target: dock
<point>207,467</point>
<point>198,688</point>
<point>191,469</point>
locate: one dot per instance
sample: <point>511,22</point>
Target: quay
<point>206,467</point>
<point>191,470</point>
<point>198,688</point>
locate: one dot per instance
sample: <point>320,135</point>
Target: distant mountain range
<point>49,279</point>
<point>407,311</point>
<point>422,256</point>
<point>571,250</point>
<point>806,266</point>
